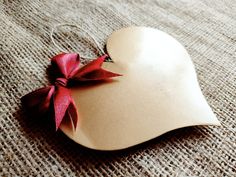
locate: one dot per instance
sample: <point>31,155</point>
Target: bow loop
<point>39,100</point>
<point>67,64</point>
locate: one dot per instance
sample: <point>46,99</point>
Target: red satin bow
<point>58,96</point>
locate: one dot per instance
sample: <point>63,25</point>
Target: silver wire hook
<point>100,50</point>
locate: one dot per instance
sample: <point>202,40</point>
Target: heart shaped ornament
<point>157,93</point>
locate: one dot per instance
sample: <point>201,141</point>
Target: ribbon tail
<point>91,66</point>
<point>94,72</point>
<point>100,74</point>
<point>72,114</point>
<point>63,106</point>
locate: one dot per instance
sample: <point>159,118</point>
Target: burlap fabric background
<point>206,28</point>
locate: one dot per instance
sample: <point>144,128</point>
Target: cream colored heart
<point>157,93</point>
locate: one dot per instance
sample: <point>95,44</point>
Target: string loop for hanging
<point>99,49</point>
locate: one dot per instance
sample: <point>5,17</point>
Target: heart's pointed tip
<point>218,123</point>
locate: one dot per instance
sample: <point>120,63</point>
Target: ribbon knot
<point>61,81</point>
<point>58,96</point>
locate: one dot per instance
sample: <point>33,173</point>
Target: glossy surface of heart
<point>157,93</point>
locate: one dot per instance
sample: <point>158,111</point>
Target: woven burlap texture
<point>29,148</point>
